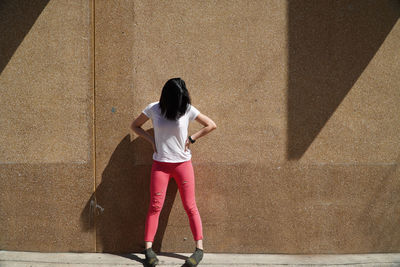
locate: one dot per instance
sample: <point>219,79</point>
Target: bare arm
<point>209,125</point>
<point>136,126</point>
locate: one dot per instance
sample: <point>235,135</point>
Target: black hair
<point>175,99</point>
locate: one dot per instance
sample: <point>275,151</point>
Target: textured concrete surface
<point>45,82</point>
<point>46,173</point>
<point>342,101</point>
<point>305,95</point>
<point>41,207</point>
<point>17,259</point>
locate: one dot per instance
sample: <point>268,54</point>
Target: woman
<point>172,158</point>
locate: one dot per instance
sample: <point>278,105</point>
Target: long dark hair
<point>175,99</point>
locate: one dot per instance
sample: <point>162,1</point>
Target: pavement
<point>38,259</point>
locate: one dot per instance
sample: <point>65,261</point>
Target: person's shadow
<point>117,209</point>
<point>168,254</point>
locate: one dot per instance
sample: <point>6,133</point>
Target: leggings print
<point>161,173</point>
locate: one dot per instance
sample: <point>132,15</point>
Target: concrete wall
<point>305,95</point>
<point>46,172</point>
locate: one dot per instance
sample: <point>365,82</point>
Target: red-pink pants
<point>161,173</point>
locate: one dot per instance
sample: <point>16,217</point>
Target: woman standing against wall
<point>172,158</point>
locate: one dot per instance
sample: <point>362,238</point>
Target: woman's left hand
<point>187,144</point>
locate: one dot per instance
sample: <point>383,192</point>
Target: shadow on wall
<point>330,44</point>
<point>122,200</point>
<point>16,19</point>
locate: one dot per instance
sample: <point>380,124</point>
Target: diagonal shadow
<point>123,197</point>
<point>16,19</point>
<point>330,44</point>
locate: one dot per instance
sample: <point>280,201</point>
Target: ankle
<point>148,244</point>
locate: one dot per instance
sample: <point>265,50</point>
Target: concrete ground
<point>37,259</point>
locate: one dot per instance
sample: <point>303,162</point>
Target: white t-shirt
<point>170,136</point>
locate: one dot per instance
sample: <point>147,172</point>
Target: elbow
<point>213,126</point>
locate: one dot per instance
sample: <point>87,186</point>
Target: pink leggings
<point>183,174</point>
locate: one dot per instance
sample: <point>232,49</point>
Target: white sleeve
<point>147,111</point>
<point>193,112</point>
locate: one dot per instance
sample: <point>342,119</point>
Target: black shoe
<point>195,258</point>
<point>151,257</point>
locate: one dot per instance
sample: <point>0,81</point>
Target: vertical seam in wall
<point>287,152</point>
<point>94,117</point>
